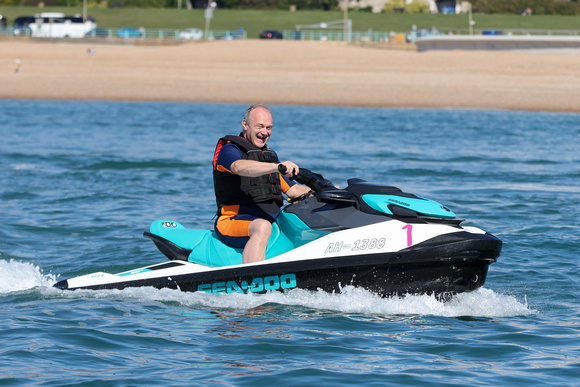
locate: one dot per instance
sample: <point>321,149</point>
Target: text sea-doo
<point>370,236</point>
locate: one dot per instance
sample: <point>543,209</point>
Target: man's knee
<point>260,227</point>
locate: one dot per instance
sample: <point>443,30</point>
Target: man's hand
<point>291,169</point>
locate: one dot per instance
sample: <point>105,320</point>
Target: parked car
<point>22,31</point>
<point>271,34</point>
<point>128,32</point>
<point>97,33</point>
<point>191,34</point>
<point>492,32</point>
<point>21,25</point>
<point>24,21</point>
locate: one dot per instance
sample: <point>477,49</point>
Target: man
<point>249,185</point>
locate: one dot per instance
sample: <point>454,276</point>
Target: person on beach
<point>249,183</point>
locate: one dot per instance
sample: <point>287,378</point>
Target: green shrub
<point>565,8</point>
<point>325,5</point>
<point>417,7</point>
<point>142,3</point>
<point>34,3</point>
<point>392,5</point>
<point>365,9</point>
<point>538,7</point>
<point>258,4</point>
<point>229,4</point>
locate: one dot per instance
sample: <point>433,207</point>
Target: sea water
<point>81,181</point>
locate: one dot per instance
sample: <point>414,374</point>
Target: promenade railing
<point>354,36</point>
<point>134,33</point>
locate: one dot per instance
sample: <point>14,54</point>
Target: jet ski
<point>370,236</point>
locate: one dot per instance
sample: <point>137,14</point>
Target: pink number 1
<point>409,228</point>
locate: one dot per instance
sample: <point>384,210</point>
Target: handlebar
<point>282,169</point>
<point>314,181</point>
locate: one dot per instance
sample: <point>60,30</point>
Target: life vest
<point>232,189</point>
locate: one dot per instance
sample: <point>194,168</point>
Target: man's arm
<point>252,168</point>
<point>297,190</point>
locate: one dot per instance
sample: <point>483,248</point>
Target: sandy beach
<point>291,72</point>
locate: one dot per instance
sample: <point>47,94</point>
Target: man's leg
<point>255,250</point>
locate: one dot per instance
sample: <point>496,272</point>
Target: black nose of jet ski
<point>62,285</point>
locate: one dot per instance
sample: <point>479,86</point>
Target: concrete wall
<point>497,42</point>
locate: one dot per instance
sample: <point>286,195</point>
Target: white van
<point>57,25</point>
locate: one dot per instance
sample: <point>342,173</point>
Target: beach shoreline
<point>291,73</point>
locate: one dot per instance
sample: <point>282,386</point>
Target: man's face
<point>259,129</point>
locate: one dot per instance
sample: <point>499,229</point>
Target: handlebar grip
<point>282,169</point>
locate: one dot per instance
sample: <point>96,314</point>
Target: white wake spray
<point>17,276</point>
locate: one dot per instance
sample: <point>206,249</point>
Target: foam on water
<point>17,276</point>
<point>481,303</point>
